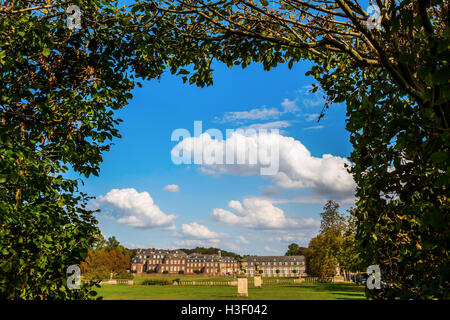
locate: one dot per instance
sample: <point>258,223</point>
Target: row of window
<point>279,263</point>
<point>274,270</point>
<point>184,262</point>
<point>192,270</point>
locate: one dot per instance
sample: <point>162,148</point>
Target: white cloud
<point>242,239</point>
<point>197,231</point>
<point>135,209</point>
<point>312,117</point>
<point>312,99</point>
<point>191,243</point>
<point>268,125</point>
<point>297,168</point>
<point>269,249</point>
<point>289,105</point>
<point>313,127</point>
<point>260,213</point>
<point>172,188</point>
<point>262,113</point>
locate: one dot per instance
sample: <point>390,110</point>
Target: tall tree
<point>320,258</point>
<point>58,91</point>
<point>323,252</point>
<point>392,71</point>
<point>349,257</point>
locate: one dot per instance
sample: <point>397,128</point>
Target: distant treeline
<point>212,250</point>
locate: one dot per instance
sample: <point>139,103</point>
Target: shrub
<point>165,272</point>
<point>155,282</point>
<point>181,272</point>
<point>150,271</point>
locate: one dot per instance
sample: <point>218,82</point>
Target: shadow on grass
<point>349,296</point>
<point>342,287</point>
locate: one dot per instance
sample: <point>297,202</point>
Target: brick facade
<point>176,261</point>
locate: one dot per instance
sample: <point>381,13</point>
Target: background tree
<point>394,80</point>
<point>320,260</point>
<point>323,252</point>
<point>349,255</point>
<point>104,260</point>
<point>295,250</point>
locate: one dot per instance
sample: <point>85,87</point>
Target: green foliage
<point>58,92</point>
<point>211,250</point>
<point>156,282</point>
<point>323,250</point>
<point>295,250</point>
<point>321,256</point>
<point>111,257</point>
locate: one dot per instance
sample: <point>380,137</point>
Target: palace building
<point>275,266</point>
<point>177,261</point>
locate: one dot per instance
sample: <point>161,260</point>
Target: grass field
<point>303,291</point>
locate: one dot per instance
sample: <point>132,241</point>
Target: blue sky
<point>237,210</point>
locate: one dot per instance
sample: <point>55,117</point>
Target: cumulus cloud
<point>197,231</point>
<point>172,188</point>
<point>262,113</point>
<point>260,213</point>
<point>135,209</point>
<point>242,239</point>
<point>291,163</point>
<point>268,125</point>
<point>290,105</point>
<point>191,243</point>
<point>314,127</point>
<point>312,117</point>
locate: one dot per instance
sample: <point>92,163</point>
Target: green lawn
<point>304,291</point>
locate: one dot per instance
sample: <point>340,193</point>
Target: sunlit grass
<point>304,291</point>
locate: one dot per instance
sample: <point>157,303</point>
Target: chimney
<point>220,253</point>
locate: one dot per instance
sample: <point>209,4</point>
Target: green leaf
<point>46,52</point>
<point>439,156</point>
